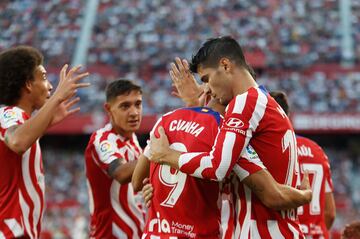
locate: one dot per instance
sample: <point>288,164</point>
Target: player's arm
<point>278,196</point>
<point>20,137</point>
<point>121,171</point>
<point>330,209</point>
<point>141,172</point>
<point>230,142</point>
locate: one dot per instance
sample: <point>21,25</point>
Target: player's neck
<point>125,134</point>
<point>26,106</point>
<point>243,82</point>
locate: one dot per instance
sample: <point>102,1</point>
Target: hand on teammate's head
<point>185,83</point>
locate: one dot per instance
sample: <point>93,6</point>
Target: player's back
<point>182,205</point>
<point>313,159</point>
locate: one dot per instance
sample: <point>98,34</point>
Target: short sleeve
<point>248,164</point>
<point>107,151</point>
<point>10,117</point>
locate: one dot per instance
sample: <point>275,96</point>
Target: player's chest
<point>130,151</point>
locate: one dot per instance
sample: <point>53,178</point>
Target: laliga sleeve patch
<point>106,151</point>
<point>10,118</point>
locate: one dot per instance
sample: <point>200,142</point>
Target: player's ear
<point>107,107</point>
<point>225,64</point>
<point>28,86</point>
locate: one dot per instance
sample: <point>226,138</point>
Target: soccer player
<point>24,89</point>
<point>191,129</point>
<point>110,158</point>
<point>317,217</point>
<point>251,116</point>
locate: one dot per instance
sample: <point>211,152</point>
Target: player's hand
<point>306,187</point>
<point>159,146</point>
<point>147,192</point>
<point>64,110</point>
<point>69,83</point>
<point>185,83</point>
<point>305,183</point>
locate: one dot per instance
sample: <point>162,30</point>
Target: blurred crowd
<point>316,92</point>
<point>138,38</point>
<point>67,211</point>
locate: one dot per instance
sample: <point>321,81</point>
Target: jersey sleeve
<point>248,164</point>
<point>241,121</point>
<point>10,117</point>
<point>328,181</point>
<point>107,151</point>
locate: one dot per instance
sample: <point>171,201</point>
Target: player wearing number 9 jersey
<point>181,202</point>
<point>317,217</point>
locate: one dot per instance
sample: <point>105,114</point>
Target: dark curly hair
<point>17,66</point>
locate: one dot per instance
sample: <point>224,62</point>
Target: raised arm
<point>20,137</point>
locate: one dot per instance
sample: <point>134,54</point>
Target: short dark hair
<point>120,87</point>
<point>17,66</point>
<point>351,231</point>
<point>214,49</point>
<point>281,98</point>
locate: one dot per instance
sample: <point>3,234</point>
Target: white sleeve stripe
<point>205,163</point>
<point>2,235</point>
<point>240,172</point>
<point>226,155</point>
<point>274,229</point>
<point>259,110</point>
<point>240,102</point>
<point>257,161</point>
<point>185,158</point>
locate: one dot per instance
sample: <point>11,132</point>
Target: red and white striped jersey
<point>233,208</point>
<point>313,159</point>
<point>21,181</point>
<point>254,117</point>
<point>179,200</point>
<point>184,206</point>
<point>115,209</point>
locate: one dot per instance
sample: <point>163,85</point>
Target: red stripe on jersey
<point>5,231</point>
<point>105,135</point>
<point>123,226</point>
